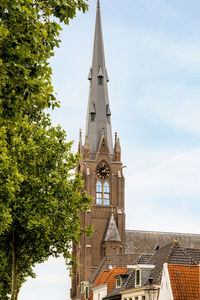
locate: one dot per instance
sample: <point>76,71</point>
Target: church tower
<point>102,172</point>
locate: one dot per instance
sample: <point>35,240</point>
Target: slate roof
<point>195,253</point>
<point>146,241</point>
<point>143,258</point>
<point>115,261</point>
<point>185,281</point>
<point>171,253</point>
<point>111,233</point>
<point>120,261</point>
<point>98,100</point>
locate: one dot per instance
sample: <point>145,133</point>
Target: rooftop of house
<point>171,253</point>
<point>120,261</point>
<point>185,281</point>
<point>108,277</point>
<point>125,281</point>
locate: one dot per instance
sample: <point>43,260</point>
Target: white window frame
<point>137,271</point>
<point>104,190</point>
<point>118,282</point>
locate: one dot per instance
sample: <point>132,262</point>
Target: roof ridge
<point>164,232</point>
<point>107,274</point>
<point>185,265</point>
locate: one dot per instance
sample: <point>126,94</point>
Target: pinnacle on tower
<point>117,149</point>
<point>80,142</point>
<point>86,148</point>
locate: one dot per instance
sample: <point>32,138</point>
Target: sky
<point>153,62</point>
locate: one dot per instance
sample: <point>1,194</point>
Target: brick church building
<point>102,171</point>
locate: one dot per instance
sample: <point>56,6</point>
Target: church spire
<point>98,113</point>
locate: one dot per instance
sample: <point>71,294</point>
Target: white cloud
<point>165,197</point>
<point>175,105</point>
<point>179,175</point>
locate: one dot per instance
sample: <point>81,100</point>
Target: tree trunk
<point>14,289</point>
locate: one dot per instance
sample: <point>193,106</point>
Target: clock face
<point>103,170</point>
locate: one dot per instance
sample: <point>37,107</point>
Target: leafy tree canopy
<point>40,193</point>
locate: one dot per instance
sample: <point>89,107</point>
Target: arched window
<point>102,193</point>
<point>99,193</point>
<point>106,193</point>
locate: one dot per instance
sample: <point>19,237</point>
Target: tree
<point>41,195</point>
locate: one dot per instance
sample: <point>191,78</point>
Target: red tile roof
<point>185,281</point>
<point>102,277</point>
<point>90,296</point>
<point>108,277</point>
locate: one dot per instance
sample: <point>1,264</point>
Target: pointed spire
<point>111,233</point>
<point>98,104</point>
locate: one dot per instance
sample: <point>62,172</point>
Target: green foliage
<point>40,194</point>
<point>28,36</point>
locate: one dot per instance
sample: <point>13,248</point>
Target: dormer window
<point>100,80</point>
<point>138,277</point>
<point>92,117</point>
<point>108,112</point>
<point>118,282</point>
<point>92,112</point>
<point>82,287</point>
<point>85,289</point>
<point>100,76</point>
<point>86,292</point>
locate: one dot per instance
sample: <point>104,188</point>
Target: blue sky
<point>153,61</point>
